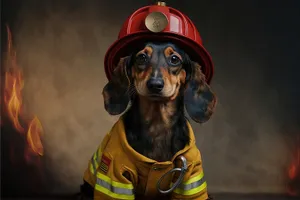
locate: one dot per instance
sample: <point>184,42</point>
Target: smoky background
<point>248,143</point>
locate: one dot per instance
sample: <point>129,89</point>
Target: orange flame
<point>294,166</point>
<point>14,84</point>
<point>294,174</point>
<point>35,130</point>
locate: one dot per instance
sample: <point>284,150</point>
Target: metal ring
<point>182,170</point>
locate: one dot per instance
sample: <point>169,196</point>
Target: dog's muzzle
<point>155,85</point>
<point>182,171</point>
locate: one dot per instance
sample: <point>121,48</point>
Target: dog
<point>152,87</point>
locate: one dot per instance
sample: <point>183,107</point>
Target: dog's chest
<point>161,147</point>
<point>158,145</point>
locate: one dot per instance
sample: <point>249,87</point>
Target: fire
<point>13,86</point>
<point>294,173</point>
<point>33,136</point>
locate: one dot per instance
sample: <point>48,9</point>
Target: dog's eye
<point>175,60</point>
<point>141,59</point>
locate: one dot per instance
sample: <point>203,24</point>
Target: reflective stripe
<point>114,189</point>
<point>192,186</point>
<point>94,164</point>
<point>92,169</point>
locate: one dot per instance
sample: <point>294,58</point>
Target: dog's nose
<point>155,84</point>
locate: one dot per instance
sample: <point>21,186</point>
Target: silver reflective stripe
<point>192,185</point>
<point>113,189</point>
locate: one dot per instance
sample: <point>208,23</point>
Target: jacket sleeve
<point>113,179</point>
<point>194,185</point>
<point>93,164</point>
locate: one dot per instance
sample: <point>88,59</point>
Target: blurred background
<point>52,76</point>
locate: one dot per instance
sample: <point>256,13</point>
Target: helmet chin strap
<point>182,171</point>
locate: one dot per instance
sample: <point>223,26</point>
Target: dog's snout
<point>155,84</point>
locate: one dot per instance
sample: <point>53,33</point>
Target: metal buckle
<point>182,170</point>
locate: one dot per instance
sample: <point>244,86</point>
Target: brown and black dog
<point>159,81</point>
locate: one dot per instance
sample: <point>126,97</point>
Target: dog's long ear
<point>115,92</point>
<point>199,100</point>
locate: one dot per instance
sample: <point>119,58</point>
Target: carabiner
<point>182,170</point>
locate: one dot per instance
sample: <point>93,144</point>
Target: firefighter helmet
<point>159,23</point>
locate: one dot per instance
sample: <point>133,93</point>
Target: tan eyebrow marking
<point>169,51</point>
<point>147,50</point>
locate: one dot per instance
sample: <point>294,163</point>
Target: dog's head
<point>159,72</point>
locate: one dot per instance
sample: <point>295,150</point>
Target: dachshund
<point>152,87</point>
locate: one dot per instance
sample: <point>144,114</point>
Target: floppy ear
<point>115,92</point>
<point>199,100</point>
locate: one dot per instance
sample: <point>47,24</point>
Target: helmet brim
<point>129,44</point>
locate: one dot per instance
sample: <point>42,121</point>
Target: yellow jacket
<point>115,158</point>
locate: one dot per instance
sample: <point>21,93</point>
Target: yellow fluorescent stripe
<point>194,179</point>
<point>192,191</point>
<point>96,164</point>
<point>92,169</point>
<point>95,156</point>
<point>111,194</point>
<point>114,183</point>
<point>99,153</point>
<point>96,159</point>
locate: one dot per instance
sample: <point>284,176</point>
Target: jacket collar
<point>120,130</point>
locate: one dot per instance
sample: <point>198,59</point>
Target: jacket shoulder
<point>113,147</point>
<point>193,155</point>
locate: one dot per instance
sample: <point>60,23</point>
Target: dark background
<point>248,144</point>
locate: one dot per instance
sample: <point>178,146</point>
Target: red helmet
<point>159,23</point>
